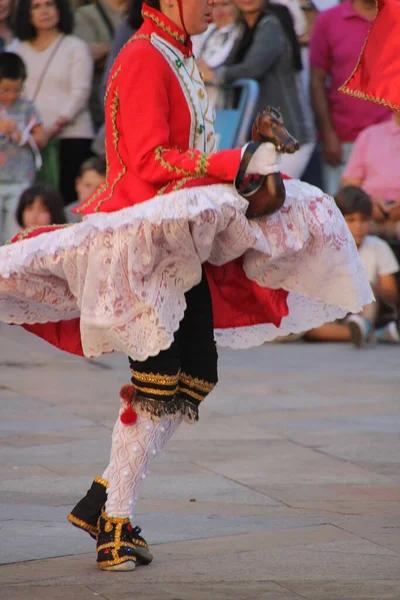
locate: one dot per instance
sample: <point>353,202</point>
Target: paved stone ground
<point>288,488</point>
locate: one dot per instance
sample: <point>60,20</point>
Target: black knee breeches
<point>179,378</point>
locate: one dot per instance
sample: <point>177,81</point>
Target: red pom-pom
<point>128,417</point>
<point>128,393</point>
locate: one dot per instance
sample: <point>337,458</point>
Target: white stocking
<point>132,448</point>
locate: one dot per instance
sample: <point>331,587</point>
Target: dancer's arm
<point>144,91</point>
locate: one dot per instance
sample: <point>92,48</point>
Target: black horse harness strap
<point>253,185</point>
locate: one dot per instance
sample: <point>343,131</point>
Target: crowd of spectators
<point>55,57</point>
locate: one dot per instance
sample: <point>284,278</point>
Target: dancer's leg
<point>161,395</point>
<point>133,448</point>
<point>199,358</point>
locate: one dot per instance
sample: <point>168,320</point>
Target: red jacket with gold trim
<point>159,122</point>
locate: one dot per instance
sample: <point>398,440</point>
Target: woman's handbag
<point>50,169</point>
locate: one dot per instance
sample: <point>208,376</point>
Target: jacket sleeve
<point>143,90</point>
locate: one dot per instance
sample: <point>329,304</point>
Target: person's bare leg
<point>329,332</point>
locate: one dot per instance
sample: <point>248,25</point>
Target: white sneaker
<point>359,330</point>
<point>389,334</point>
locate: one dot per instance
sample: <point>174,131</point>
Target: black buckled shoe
<point>115,549</point>
<point>85,515</point>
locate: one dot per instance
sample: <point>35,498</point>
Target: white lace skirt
<point>125,273</point>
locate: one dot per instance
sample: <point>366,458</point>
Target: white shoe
<point>359,330</point>
<point>389,334</point>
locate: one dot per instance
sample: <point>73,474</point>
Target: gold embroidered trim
<point>155,391</point>
<point>159,151</point>
<point>201,169</point>
<point>141,36</point>
<point>82,524</point>
<point>23,234</point>
<point>118,561</point>
<point>201,92</point>
<point>191,100</point>
<point>140,543</point>
<point>102,481</point>
<point>203,164</point>
<point>179,185</point>
<point>155,378</point>
<point>115,520</point>
<point>112,78</point>
<point>191,393</point>
<point>163,190</point>
<point>195,382</point>
<point>362,95</point>
<point>116,544</point>
<point>114,110</point>
<point>179,37</point>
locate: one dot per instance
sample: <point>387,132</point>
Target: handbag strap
<point>46,68</point>
<point>106,19</point>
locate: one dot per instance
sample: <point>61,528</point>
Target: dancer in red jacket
<point>131,276</point>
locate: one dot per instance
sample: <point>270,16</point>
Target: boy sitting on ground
<point>380,265</point>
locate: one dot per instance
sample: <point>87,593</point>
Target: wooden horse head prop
<point>265,194</point>
<point>268,126</point>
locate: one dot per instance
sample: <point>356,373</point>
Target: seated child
<point>21,134</point>
<point>380,265</point>
<point>91,176</point>
<point>40,205</point>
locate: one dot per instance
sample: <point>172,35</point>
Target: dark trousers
<point>188,369</point>
<point>73,152</point>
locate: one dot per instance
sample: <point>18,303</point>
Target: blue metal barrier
<point>232,126</point>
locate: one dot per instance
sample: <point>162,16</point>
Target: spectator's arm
<point>80,74</point>
<point>99,51</point>
<point>39,136</point>
<point>332,149</point>
<point>123,34</point>
<point>319,100</point>
<point>356,167</point>
<point>394,213</point>
<point>320,63</point>
<point>85,29</point>
<point>387,288</point>
<point>266,49</point>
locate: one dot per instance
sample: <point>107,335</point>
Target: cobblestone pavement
<point>287,489</point>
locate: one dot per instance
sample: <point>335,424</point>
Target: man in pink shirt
<point>338,38</point>
<point>374,166</point>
